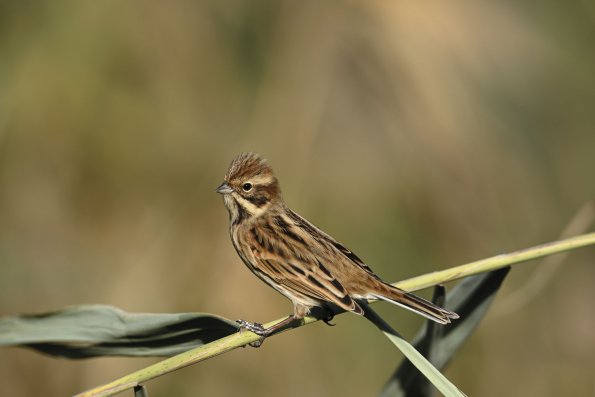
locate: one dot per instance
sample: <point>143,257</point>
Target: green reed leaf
<point>97,330</point>
<point>471,299</point>
<point>445,386</point>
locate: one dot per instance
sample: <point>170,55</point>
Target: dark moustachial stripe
<point>258,201</point>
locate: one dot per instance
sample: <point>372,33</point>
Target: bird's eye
<point>247,186</point>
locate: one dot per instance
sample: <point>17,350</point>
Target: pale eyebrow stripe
<point>261,179</point>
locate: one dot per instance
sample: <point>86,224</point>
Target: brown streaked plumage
<point>295,257</point>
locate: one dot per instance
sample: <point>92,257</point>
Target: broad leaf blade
<point>97,330</point>
<point>471,299</point>
<point>432,374</point>
<point>411,382</point>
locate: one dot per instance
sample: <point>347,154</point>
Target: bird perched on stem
<point>295,257</point>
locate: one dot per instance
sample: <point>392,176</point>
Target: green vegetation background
<point>422,136</point>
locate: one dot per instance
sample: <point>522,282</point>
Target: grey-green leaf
<point>471,299</point>
<point>425,367</point>
<point>97,330</point>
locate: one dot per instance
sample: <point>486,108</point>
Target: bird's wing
<point>309,277</point>
<point>330,242</point>
<point>294,258</point>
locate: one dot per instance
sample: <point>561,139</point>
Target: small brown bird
<point>295,257</point>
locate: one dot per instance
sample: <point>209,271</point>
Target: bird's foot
<point>329,317</point>
<point>257,328</point>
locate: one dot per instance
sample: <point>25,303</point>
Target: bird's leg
<point>299,312</point>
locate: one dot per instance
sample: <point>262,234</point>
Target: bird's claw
<point>257,328</point>
<point>329,317</point>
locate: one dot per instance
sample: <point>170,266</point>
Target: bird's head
<point>249,188</point>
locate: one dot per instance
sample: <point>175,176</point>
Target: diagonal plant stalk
<point>496,262</point>
<point>241,339</point>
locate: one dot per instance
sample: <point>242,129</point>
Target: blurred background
<point>421,135</point>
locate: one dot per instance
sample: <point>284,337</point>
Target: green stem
<point>240,339</point>
<point>496,262</point>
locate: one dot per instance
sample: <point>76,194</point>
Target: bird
<point>296,258</point>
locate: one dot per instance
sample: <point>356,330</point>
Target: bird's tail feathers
<point>416,304</point>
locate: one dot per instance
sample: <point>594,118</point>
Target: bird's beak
<point>224,189</point>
